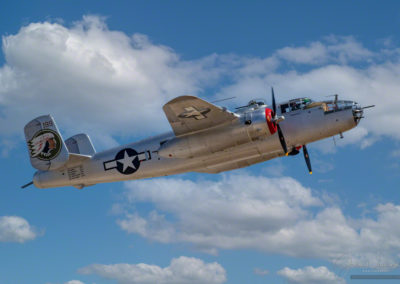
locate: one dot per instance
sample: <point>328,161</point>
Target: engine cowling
<point>269,114</point>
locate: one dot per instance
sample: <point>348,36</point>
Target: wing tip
<point>181,98</point>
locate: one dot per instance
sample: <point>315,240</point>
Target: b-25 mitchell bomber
<point>206,138</point>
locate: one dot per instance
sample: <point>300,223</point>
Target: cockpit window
<point>251,105</point>
<point>332,106</point>
<point>295,104</point>
<point>285,108</point>
<point>257,102</point>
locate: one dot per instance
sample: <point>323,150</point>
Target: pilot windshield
<point>257,102</point>
<point>295,105</point>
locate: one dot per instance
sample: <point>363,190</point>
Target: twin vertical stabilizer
<point>47,150</point>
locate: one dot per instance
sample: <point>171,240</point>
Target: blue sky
<point>107,68</point>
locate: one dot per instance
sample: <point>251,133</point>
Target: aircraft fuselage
<point>243,142</point>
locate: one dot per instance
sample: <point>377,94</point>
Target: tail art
<point>46,147</point>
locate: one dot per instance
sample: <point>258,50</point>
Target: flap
<point>189,114</point>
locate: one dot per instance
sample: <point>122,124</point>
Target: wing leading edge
<point>189,114</point>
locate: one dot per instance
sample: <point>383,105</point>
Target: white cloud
<point>15,229</point>
<point>96,80</point>
<point>311,275</point>
<point>315,53</point>
<point>333,49</point>
<point>276,215</point>
<point>74,282</point>
<point>182,270</point>
<point>90,77</point>
<point>218,214</point>
<point>371,81</point>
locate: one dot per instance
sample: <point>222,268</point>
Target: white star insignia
<point>127,161</point>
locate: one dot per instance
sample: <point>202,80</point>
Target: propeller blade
<point>275,121</point>
<point>282,140</point>
<point>307,158</point>
<point>273,101</point>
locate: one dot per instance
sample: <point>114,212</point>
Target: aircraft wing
<point>189,114</point>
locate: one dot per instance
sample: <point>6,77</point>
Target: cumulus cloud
<point>316,52</point>
<point>90,77</point>
<point>334,70</point>
<point>333,49</point>
<point>16,229</point>
<point>217,214</point>
<point>184,270</point>
<point>97,80</point>
<point>311,275</point>
<point>277,215</point>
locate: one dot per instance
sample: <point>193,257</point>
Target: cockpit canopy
<point>256,102</point>
<point>251,105</point>
<point>295,104</point>
<point>298,104</point>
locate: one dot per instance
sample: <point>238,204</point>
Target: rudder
<point>47,150</point>
<point>80,144</point>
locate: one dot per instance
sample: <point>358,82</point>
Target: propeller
<point>307,158</point>
<point>275,120</point>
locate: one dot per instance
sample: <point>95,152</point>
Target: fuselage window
<point>285,108</point>
<point>296,105</point>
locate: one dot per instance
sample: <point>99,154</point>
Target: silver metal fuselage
<point>241,143</point>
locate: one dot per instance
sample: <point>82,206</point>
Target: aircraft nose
<point>357,112</point>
